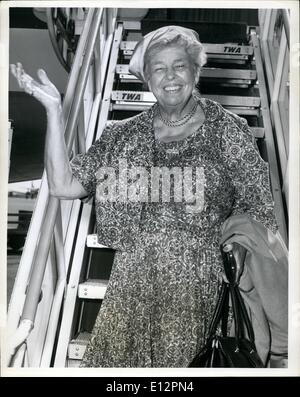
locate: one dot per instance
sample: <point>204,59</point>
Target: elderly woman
<point>215,186</point>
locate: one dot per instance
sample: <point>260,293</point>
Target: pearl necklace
<point>179,122</point>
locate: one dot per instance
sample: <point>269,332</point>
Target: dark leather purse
<point>229,351</point>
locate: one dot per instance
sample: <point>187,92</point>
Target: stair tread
<point>97,282</point>
<point>92,242</point>
<point>92,289</point>
<point>77,347</point>
<point>246,74</point>
<point>228,49</point>
<point>141,106</point>
<point>82,338</point>
<point>130,96</point>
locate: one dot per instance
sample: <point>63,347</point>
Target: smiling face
<point>171,76</point>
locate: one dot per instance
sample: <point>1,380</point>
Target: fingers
<point>47,83</point>
<point>21,75</point>
<point>25,81</point>
<point>19,70</point>
<point>222,277</point>
<point>227,247</point>
<point>13,69</point>
<point>45,92</point>
<point>43,77</point>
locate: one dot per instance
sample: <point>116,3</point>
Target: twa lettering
<point>235,50</point>
<point>131,96</point>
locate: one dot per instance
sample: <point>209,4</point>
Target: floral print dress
<point>163,286</point>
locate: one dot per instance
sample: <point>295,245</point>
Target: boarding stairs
<point>233,76</point>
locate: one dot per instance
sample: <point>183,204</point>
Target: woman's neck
<point>173,113</point>
<point>166,133</point>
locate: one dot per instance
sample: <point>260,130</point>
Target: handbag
<point>221,350</point>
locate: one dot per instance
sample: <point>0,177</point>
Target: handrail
<point>10,134</point>
<point>274,77</point>
<point>31,302</point>
<point>59,291</point>
<point>269,139</point>
<point>46,232</point>
<point>39,211</point>
<point>279,127</point>
<point>286,23</point>
<point>265,48</point>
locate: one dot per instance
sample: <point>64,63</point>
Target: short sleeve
<point>248,172</point>
<point>84,166</point>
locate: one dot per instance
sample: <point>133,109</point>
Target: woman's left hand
<point>44,91</point>
<point>239,253</point>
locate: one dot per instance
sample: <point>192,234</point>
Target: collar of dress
<point>142,144</point>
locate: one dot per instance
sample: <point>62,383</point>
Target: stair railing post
<point>286,24</point>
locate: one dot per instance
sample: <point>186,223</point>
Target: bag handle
<point>244,314</point>
<point>240,314</point>
<point>223,301</point>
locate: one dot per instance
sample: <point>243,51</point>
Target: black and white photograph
<point>150,189</point>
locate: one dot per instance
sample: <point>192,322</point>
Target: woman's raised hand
<point>44,91</point>
<point>62,183</point>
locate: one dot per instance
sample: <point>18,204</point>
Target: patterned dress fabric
<point>166,273</point>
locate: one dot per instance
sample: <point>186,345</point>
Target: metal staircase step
<point>148,97</point>
<point>141,106</point>
<point>228,57</point>
<point>236,75</point>
<point>132,25</point>
<point>258,132</point>
<point>214,57</point>
<point>92,289</point>
<point>77,347</point>
<point>222,81</point>
<point>92,240</point>
<point>244,111</point>
<point>223,49</point>
<point>231,53</point>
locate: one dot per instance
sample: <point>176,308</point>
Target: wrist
<point>54,109</point>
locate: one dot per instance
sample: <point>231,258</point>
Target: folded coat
<point>264,282</point>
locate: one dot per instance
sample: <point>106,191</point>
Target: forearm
<point>61,182</point>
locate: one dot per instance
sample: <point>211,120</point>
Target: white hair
<point>193,48</point>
